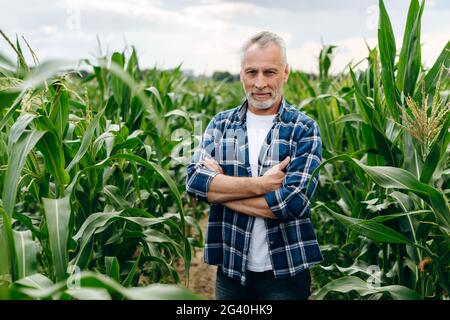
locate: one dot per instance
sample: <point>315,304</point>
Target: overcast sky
<point>206,35</point>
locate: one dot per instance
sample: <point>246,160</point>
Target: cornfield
<point>92,176</point>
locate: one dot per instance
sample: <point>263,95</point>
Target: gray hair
<point>263,39</point>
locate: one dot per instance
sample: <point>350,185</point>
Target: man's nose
<point>260,82</point>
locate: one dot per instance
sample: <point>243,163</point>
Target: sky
<point>206,35</point>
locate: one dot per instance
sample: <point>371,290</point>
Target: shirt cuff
<point>274,203</point>
<point>203,180</point>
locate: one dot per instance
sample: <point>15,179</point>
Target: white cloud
<point>350,50</point>
<point>432,45</point>
<point>207,35</point>
<point>49,29</point>
<point>305,57</point>
<point>353,50</point>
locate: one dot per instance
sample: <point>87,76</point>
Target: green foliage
<point>88,177</point>
<point>387,191</point>
<point>93,187</point>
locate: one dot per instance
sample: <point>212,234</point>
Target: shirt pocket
<point>276,153</point>
<point>226,149</point>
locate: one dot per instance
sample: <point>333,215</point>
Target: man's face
<point>263,74</point>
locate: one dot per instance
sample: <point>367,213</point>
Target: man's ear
<point>286,73</point>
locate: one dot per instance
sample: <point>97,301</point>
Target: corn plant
<point>380,180</point>
<point>83,187</point>
<point>93,194</point>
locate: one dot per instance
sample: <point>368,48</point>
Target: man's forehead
<point>248,67</point>
<point>269,56</point>
<point>262,65</point>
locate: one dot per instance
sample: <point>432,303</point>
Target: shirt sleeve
<point>292,200</point>
<point>199,177</point>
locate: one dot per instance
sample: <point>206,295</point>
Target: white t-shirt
<point>258,127</point>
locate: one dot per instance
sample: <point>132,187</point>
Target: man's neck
<point>262,112</point>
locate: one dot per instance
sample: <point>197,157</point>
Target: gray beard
<point>261,105</point>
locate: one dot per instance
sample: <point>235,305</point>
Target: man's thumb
<point>284,163</point>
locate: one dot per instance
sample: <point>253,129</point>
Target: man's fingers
<point>210,161</point>
<point>212,165</point>
<point>209,164</point>
<point>284,163</point>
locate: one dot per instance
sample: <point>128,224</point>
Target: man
<point>253,166</point>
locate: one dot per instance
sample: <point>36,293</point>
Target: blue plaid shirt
<point>292,242</point>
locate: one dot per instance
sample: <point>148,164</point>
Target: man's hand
<point>257,206</point>
<point>212,164</point>
<point>273,178</point>
<point>226,188</point>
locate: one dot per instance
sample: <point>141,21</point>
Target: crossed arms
<point>245,194</point>
<point>281,193</point>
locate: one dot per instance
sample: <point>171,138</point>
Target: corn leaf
<point>94,280</point>
<point>57,215</point>
<point>112,268</point>
<point>410,55</point>
<point>18,156</point>
<point>36,281</point>
<point>436,153</point>
<point>9,264</point>
<point>392,177</point>
<point>117,85</point>
<point>87,138</point>
<point>26,250</point>
<point>431,78</point>
<point>349,283</point>
<point>88,294</point>
<point>18,128</point>
<point>373,230</point>
<point>130,276</point>
<point>59,114</point>
<point>386,44</point>
<point>51,149</point>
